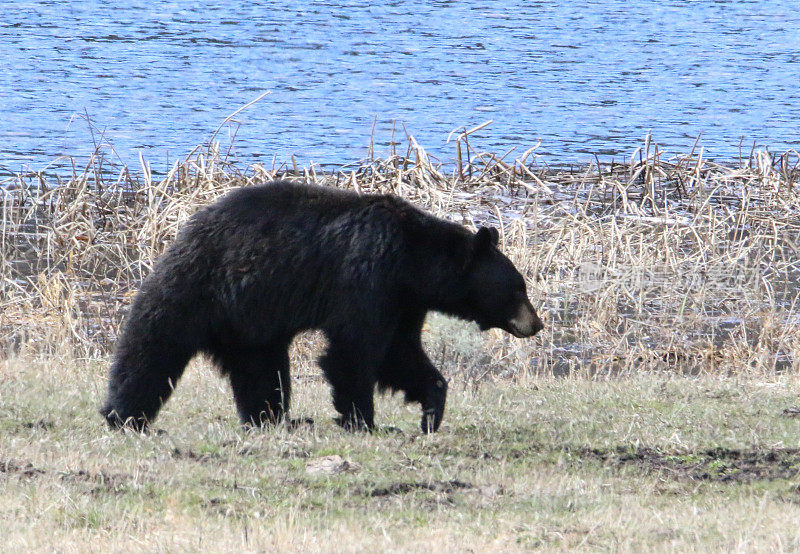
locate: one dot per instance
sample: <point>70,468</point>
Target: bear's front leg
<point>407,368</point>
<point>147,365</point>
<point>434,399</point>
<point>411,372</point>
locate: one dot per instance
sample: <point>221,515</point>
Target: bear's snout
<point>526,323</point>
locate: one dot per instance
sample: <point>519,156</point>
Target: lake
<point>584,78</point>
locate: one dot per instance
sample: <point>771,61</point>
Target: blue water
<point>584,77</point>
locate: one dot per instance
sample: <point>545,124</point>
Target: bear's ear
<point>486,236</point>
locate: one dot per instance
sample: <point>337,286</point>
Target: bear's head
<point>494,292</point>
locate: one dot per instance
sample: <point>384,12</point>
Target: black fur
<point>264,263</point>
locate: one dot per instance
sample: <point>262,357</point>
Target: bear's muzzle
<point>526,323</point>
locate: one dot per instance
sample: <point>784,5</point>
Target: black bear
<point>265,262</point>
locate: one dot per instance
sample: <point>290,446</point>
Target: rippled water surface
<point>584,77</point>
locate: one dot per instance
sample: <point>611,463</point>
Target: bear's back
<point>285,197</point>
<point>301,221</point>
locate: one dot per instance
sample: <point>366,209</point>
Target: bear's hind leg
<point>260,381</point>
<point>352,377</point>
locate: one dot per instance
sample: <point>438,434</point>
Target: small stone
<point>490,491</point>
<point>791,412</point>
<point>331,465</point>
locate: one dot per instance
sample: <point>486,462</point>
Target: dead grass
<point>682,264</point>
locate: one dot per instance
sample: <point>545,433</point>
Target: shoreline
<point>66,166</point>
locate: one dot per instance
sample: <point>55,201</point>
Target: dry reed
<point>679,263</point>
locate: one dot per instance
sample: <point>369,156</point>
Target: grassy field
<point>649,461</point>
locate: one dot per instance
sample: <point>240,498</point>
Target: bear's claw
<point>115,421</point>
<point>296,423</point>
<point>429,423</point>
<point>433,407</point>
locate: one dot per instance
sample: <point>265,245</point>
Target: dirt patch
<point>714,464</point>
<point>407,487</point>
<point>710,464</point>
<point>179,454</point>
<point>23,469</point>
<point>39,425</point>
<point>101,479</point>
